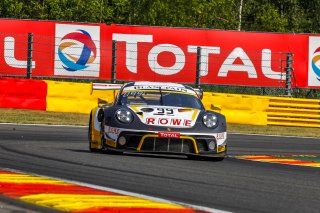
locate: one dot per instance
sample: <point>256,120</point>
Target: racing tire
<point>216,159</point>
<point>90,138</point>
<point>193,157</point>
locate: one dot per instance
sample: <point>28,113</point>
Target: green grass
<point>42,117</point>
<point>275,130</point>
<point>23,116</point>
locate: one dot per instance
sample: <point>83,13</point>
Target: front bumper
<point>151,142</point>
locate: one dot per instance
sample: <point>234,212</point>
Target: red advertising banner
<point>59,49</point>
<point>14,46</point>
<point>82,50</point>
<point>230,57</point>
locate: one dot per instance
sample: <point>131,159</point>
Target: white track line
<point>132,194</point>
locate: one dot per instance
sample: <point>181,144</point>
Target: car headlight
<point>210,120</point>
<point>124,116</point>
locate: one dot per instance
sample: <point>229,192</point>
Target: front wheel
<point>217,159</point>
<point>90,138</point>
<point>194,157</point>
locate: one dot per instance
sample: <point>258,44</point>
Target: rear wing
<point>104,86</point>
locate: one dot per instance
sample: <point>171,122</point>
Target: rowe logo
<point>168,134</point>
<point>169,122</point>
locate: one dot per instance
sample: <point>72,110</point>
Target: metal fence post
<point>289,69</point>
<point>29,60</point>
<point>113,67</point>
<point>198,71</point>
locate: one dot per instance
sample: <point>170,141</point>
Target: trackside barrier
<point>74,97</point>
<point>263,110</point>
<point>240,109</point>
<point>294,112</point>
<point>23,94</point>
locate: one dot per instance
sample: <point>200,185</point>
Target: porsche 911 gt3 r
<point>154,117</point>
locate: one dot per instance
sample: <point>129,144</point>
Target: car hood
<point>167,116</point>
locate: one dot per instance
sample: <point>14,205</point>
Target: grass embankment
<point>23,116</point>
<point>58,118</point>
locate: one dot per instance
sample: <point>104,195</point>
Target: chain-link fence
<point>209,67</point>
<point>79,57</point>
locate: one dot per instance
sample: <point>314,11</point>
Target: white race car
<point>155,117</point>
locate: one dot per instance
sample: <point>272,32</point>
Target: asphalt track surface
<point>233,185</point>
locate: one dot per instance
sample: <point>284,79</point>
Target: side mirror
<point>216,107</point>
<point>199,92</point>
<point>102,101</point>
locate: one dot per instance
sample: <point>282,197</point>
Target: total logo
<point>77,50</point>
<point>88,51</point>
<point>314,61</point>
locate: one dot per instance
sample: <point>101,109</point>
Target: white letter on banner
<point>132,47</point>
<point>204,62</point>
<point>9,55</point>
<point>266,66</point>
<point>246,67</point>
<point>157,68</point>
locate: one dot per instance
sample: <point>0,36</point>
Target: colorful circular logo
<point>316,63</point>
<point>77,50</point>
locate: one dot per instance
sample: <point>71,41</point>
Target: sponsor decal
<point>314,61</point>
<point>77,50</point>
<point>10,55</point>
<point>113,130</point>
<point>164,111</point>
<point>168,134</point>
<point>155,87</point>
<point>229,65</point>
<point>220,136</point>
<point>133,94</point>
<point>167,116</point>
<point>169,122</point>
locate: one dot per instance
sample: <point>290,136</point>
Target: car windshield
<point>159,98</point>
